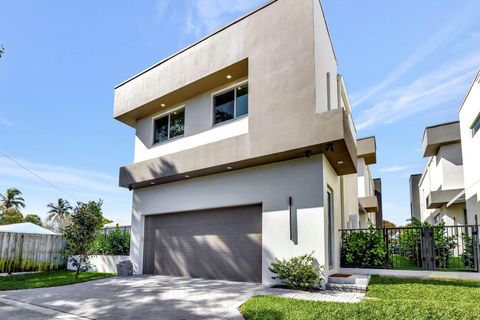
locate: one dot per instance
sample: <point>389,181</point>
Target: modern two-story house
<point>441,184</point>
<point>469,116</point>
<point>245,149</point>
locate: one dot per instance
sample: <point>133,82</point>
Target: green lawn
<point>47,279</point>
<point>390,298</point>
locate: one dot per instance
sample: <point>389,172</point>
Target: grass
<point>47,279</point>
<point>391,298</point>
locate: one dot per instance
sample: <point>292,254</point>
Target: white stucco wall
<point>324,62</point>
<point>102,263</point>
<point>199,128</point>
<point>271,185</point>
<point>471,149</point>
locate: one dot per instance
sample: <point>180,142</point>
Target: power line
<point>36,175</point>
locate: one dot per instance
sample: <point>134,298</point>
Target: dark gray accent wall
<point>223,243</point>
<point>378,193</point>
<point>415,196</point>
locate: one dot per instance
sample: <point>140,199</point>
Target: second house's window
<point>230,104</point>
<point>169,126</point>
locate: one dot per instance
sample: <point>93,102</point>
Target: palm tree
<point>59,213</point>
<point>12,199</point>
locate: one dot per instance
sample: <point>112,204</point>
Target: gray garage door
<point>224,243</point>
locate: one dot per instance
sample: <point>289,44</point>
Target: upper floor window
<point>476,125</point>
<point>230,104</point>
<point>169,126</point>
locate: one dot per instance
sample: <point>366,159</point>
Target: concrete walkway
<point>155,297</point>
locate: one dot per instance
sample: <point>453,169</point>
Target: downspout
<point>339,90</point>
<point>342,206</point>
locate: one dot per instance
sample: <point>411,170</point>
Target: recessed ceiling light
<point>187,176</point>
<point>163,104</point>
<point>229,76</point>
<point>152,183</point>
<point>340,162</point>
<point>229,168</point>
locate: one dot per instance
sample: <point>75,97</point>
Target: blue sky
<point>407,64</point>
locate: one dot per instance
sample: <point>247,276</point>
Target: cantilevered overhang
<point>333,138</point>
<point>369,204</point>
<point>128,114</point>
<point>367,149</point>
<point>436,136</point>
<point>437,199</point>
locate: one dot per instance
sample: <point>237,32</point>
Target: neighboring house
<point>368,200</point>
<point>26,227</point>
<point>415,196</point>
<point>123,226</point>
<point>245,150</point>
<point>441,186</point>
<point>469,116</point>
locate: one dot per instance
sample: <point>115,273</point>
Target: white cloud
<point>395,168</point>
<point>436,87</point>
<point>454,26</point>
<point>6,122</point>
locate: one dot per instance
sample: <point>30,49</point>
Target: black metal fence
<point>448,248</point>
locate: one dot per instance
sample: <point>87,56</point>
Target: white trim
<point>167,113</point>
<point>225,90</point>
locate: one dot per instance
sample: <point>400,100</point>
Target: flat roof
<point>218,31</point>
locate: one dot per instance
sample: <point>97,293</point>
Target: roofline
<point>439,125</point>
<point>470,89</point>
<point>328,32</point>
<point>203,39</point>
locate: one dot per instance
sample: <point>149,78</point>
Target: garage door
<point>223,243</point>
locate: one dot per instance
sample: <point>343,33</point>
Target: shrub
<point>298,273</point>
<point>363,248</point>
<point>115,242</point>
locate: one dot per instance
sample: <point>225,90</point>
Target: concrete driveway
<point>147,297</point>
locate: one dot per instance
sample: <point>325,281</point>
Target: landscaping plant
<point>115,242</point>
<point>86,221</point>
<point>302,272</point>
<point>363,248</point>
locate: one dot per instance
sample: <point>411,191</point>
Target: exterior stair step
<point>348,282</point>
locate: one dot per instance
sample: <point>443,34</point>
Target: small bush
<point>115,242</point>
<point>298,273</point>
<point>363,248</point>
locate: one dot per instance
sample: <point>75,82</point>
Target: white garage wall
<point>270,185</point>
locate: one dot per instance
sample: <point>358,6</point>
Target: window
<point>437,219</point>
<point>230,104</point>
<point>476,125</point>
<point>169,126</point>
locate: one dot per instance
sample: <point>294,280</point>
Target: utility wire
<point>38,176</point>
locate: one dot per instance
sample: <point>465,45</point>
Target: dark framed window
<point>169,126</point>
<point>230,104</point>
<point>476,125</point>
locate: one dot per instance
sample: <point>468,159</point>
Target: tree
<point>12,199</point>
<point>33,218</point>
<point>86,221</point>
<point>2,50</point>
<point>59,214</point>
<point>11,216</point>
<point>388,224</point>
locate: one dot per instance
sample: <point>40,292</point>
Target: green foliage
<point>47,279</point>
<point>2,50</point>
<point>33,218</point>
<point>59,214</point>
<point>10,216</point>
<point>80,233</point>
<point>12,199</point>
<point>302,272</point>
<point>444,246</point>
<point>468,251</point>
<point>363,248</point>
<point>391,298</point>
<point>115,242</point>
